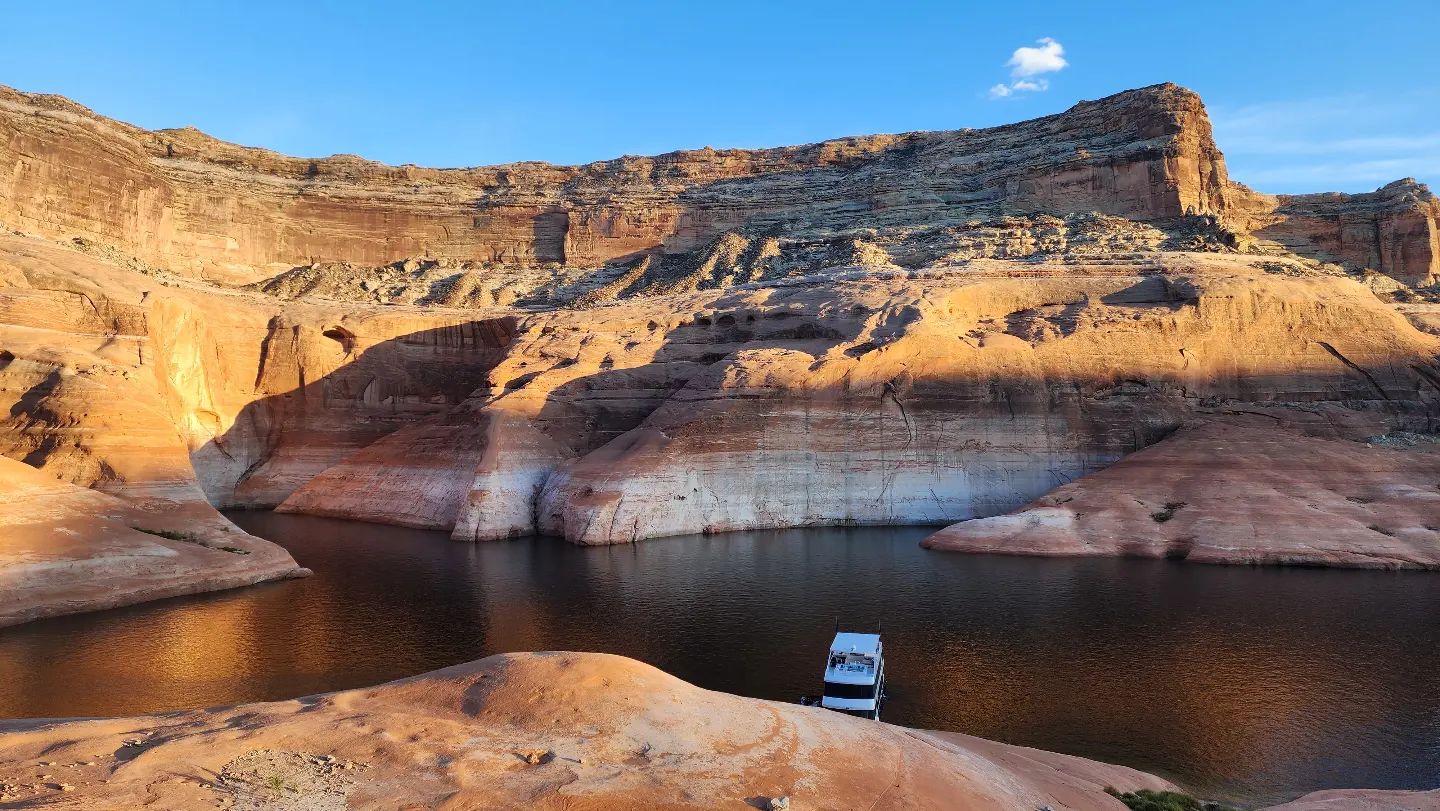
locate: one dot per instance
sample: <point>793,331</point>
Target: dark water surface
<point>1242,683</point>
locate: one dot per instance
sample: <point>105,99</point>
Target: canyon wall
<point>924,398</point>
<point>151,387</point>
<point>921,328</point>
<point>1394,230</point>
<point>181,200</point>
<point>185,201</point>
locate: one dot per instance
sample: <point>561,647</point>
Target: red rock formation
<point>920,328</point>
<point>180,199</point>
<point>1395,229</point>
<point>909,399</point>
<point>145,386</point>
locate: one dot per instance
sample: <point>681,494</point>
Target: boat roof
<point>856,643</point>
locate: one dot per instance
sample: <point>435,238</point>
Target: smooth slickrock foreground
<point>547,731</point>
<point>1353,800</point>
<point>539,730</point>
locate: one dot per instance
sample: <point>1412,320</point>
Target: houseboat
<point>854,676</point>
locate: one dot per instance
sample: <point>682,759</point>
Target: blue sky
<point>1305,97</point>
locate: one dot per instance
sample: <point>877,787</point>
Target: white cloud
<point>1048,58</point>
<point>1029,62</point>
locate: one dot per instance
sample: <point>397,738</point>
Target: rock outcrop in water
<point>921,328</point>
<point>65,548</point>
<point>1294,489</point>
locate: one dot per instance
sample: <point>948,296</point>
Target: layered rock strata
<point>153,387</point>
<point>885,398</point>
<point>1395,229</point>
<point>182,200</point>
<point>924,328</point>
<point>167,399</point>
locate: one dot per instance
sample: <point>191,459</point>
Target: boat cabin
<point>855,675</point>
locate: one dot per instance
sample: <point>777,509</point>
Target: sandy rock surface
<point>1362,800</point>
<point>553,731</point>
<point>539,730</point>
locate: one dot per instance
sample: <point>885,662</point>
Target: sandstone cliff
<point>182,200</point>
<point>1395,229</point>
<point>922,328</point>
<point>882,397</point>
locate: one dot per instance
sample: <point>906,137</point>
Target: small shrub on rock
<point>1146,800</point>
<point>1169,512</point>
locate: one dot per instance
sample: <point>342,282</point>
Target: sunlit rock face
<point>1393,229</point>
<point>182,200</point>
<point>921,328</point>
<point>918,398</point>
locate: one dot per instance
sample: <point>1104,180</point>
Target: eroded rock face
<point>182,200</point>
<point>157,388</point>
<point>921,398</point>
<point>1395,229</point>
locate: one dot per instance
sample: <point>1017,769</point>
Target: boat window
<point>851,661</point>
<point>835,690</point>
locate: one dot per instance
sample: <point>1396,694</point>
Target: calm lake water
<point>1245,684</point>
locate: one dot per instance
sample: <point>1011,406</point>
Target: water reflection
<point>1244,684</point>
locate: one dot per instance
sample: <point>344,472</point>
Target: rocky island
<point>1074,335</point>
